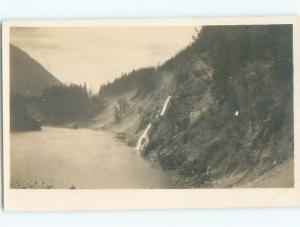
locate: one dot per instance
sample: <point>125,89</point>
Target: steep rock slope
<point>230,116</point>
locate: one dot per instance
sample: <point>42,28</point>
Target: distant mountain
<point>27,76</point>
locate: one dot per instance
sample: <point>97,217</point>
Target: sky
<point>96,55</point>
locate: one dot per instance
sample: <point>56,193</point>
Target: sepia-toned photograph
<point>187,106</point>
<point>159,107</point>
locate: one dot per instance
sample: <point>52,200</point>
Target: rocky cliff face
<point>230,115</point>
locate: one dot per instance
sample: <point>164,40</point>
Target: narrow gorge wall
<point>221,111</point>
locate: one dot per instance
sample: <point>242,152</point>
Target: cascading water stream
<point>143,139</point>
<point>162,113</point>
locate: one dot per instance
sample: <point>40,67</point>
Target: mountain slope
<point>230,116</point>
<point>27,76</point>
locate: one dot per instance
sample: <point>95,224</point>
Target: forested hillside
<point>37,97</point>
<point>62,105</point>
<point>65,104</point>
<point>28,79</point>
<point>230,116</point>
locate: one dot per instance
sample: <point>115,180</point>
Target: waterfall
<point>144,137</point>
<point>144,140</point>
<point>162,113</point>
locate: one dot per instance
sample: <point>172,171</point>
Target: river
<point>82,158</point>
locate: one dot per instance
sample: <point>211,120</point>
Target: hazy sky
<point>97,55</point>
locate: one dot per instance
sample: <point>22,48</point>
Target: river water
<point>82,158</point>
